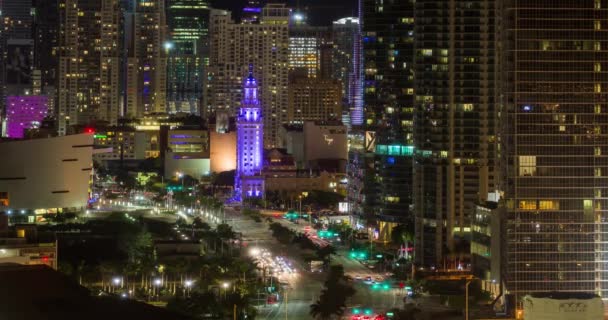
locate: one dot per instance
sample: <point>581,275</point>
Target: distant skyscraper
<point>252,11</point>
<point>389,108</point>
<point>46,45</point>
<point>305,44</point>
<point>250,143</point>
<point>314,100</point>
<point>24,112</point>
<point>89,64</point>
<point>16,49</point>
<point>188,46</point>
<point>556,143</point>
<point>345,32</point>
<point>146,80</point>
<point>233,48</point>
<point>455,127</point>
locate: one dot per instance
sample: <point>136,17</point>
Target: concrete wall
<point>563,309</point>
<point>223,151</point>
<point>46,173</point>
<point>324,142</point>
<point>194,167</point>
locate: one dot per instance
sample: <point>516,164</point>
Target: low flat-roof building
<point>45,175</point>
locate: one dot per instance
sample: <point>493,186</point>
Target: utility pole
<point>466,299</point>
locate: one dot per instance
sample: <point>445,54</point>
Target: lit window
<point>527,165</point>
<point>527,204</point>
<point>548,205</point>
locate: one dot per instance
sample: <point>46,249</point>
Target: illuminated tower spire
<point>250,143</point>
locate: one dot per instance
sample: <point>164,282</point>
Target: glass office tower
<point>556,64</point>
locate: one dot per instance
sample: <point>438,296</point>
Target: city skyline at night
<point>305,159</point>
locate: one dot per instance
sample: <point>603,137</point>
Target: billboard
<point>18,65</point>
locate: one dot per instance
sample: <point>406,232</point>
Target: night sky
<point>320,12</point>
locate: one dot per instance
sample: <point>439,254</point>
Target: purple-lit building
<point>249,182</point>
<point>24,112</point>
<point>252,11</point>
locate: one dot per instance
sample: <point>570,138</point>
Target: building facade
<point>146,61</point>
<point>305,43</point>
<point>233,48</point>
<point>46,175</point>
<point>122,143</point>
<point>89,63</point>
<point>314,99</point>
<point>387,163</point>
<point>249,182</point>
<point>455,129</point>
<point>188,54</point>
<point>556,145</point>
<point>345,32</point>
<point>16,49</point>
<point>24,112</point>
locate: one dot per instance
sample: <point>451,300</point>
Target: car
<point>379,279</point>
<point>368,279</point>
<point>358,277</point>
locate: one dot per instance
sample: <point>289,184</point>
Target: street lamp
<point>254,252</point>
<point>188,284</point>
<point>225,285</point>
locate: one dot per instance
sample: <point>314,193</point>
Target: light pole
<point>225,285</point>
<point>466,297</point>
<point>157,283</point>
<point>117,281</point>
<point>187,285</point>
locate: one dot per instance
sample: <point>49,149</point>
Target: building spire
<point>250,77</point>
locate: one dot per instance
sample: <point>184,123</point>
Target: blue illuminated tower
<point>249,183</point>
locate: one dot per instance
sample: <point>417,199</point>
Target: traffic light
<point>356,311</point>
<point>390,314</point>
<point>367,311</point>
<point>291,215</point>
<point>375,286</point>
<point>386,286</point>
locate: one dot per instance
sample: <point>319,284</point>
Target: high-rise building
<point>455,130</point>
<point>89,64</point>
<point>314,100</point>
<point>252,11</point>
<point>146,61</point>
<point>389,108</point>
<point>556,143</point>
<point>16,49</point>
<point>249,181</point>
<point>46,44</point>
<point>305,44</point>
<point>188,46</point>
<point>234,47</point>
<point>345,32</point>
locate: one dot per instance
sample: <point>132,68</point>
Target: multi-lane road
<point>303,288</point>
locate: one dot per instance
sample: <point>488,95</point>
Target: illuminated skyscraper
<point>16,49</point>
<point>305,44</point>
<point>556,142</point>
<point>146,81</point>
<point>455,129</point>
<point>188,54</point>
<point>389,108</point>
<point>233,48</point>
<point>89,62</point>
<point>250,143</point>
<point>345,32</point>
